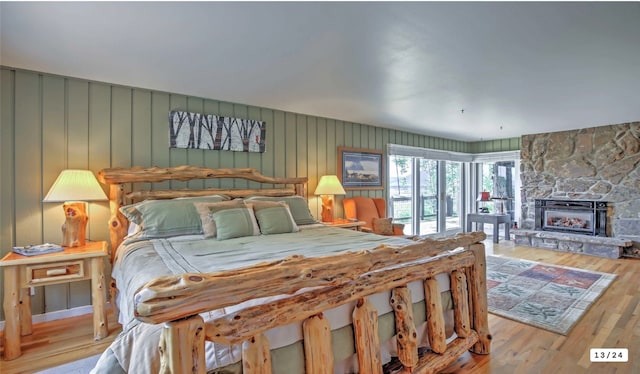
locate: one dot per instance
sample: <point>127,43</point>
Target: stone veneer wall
<point>598,163</point>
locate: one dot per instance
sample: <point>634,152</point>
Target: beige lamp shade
<point>75,185</point>
<point>329,185</point>
<point>74,188</point>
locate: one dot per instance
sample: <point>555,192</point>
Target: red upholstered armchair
<point>373,211</point>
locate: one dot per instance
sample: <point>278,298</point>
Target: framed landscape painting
<point>360,169</point>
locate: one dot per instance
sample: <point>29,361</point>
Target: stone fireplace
<point>598,165</point>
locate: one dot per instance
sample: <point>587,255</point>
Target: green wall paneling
<point>7,166</point>
<point>55,141</point>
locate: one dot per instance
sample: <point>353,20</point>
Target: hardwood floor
<point>612,322</point>
<point>59,342</point>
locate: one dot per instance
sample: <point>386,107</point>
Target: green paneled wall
<point>497,145</point>
<point>50,123</point>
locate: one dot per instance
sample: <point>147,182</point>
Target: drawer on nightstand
<point>54,272</point>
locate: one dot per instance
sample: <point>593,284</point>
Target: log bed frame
<point>175,301</point>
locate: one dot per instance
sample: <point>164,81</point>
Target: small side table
<point>346,224</point>
<point>495,219</point>
<point>71,265</point>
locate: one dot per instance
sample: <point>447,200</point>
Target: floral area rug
<point>547,296</point>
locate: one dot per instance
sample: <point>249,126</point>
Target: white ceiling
<point>515,68</point>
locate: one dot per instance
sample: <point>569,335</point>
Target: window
<point>430,191</point>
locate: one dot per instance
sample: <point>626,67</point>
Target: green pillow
<point>274,217</point>
<point>235,223</point>
<point>206,209</point>
<point>165,218</point>
<point>297,205</point>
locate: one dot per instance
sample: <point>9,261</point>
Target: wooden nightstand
<point>346,224</point>
<point>71,265</point>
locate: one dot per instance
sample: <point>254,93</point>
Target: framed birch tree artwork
<point>200,131</point>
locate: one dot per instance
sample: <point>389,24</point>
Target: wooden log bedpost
<point>318,354</point>
<point>477,279</point>
<point>118,224</point>
<point>256,358</point>
<point>435,316</point>
<point>367,341</point>
<point>460,297</point>
<point>182,346</point>
<point>407,336</point>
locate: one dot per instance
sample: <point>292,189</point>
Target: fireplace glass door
<point>569,220</point>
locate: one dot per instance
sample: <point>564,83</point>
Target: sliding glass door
<point>453,196</point>
<point>401,185</point>
<point>431,191</point>
<point>429,203</point>
<point>425,194</point>
<point>440,197</point>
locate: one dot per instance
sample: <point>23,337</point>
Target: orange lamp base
<point>327,208</point>
<point>74,229</point>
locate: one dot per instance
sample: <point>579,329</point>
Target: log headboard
<point>118,178</point>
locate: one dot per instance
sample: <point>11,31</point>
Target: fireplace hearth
<point>574,226</point>
<point>585,217</point>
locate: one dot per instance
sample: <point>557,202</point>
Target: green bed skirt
<point>290,359</point>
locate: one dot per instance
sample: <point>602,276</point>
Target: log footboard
<point>320,284</point>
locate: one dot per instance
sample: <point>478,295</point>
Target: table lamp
<point>74,188</point>
<point>328,186</point>
<point>483,198</point>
